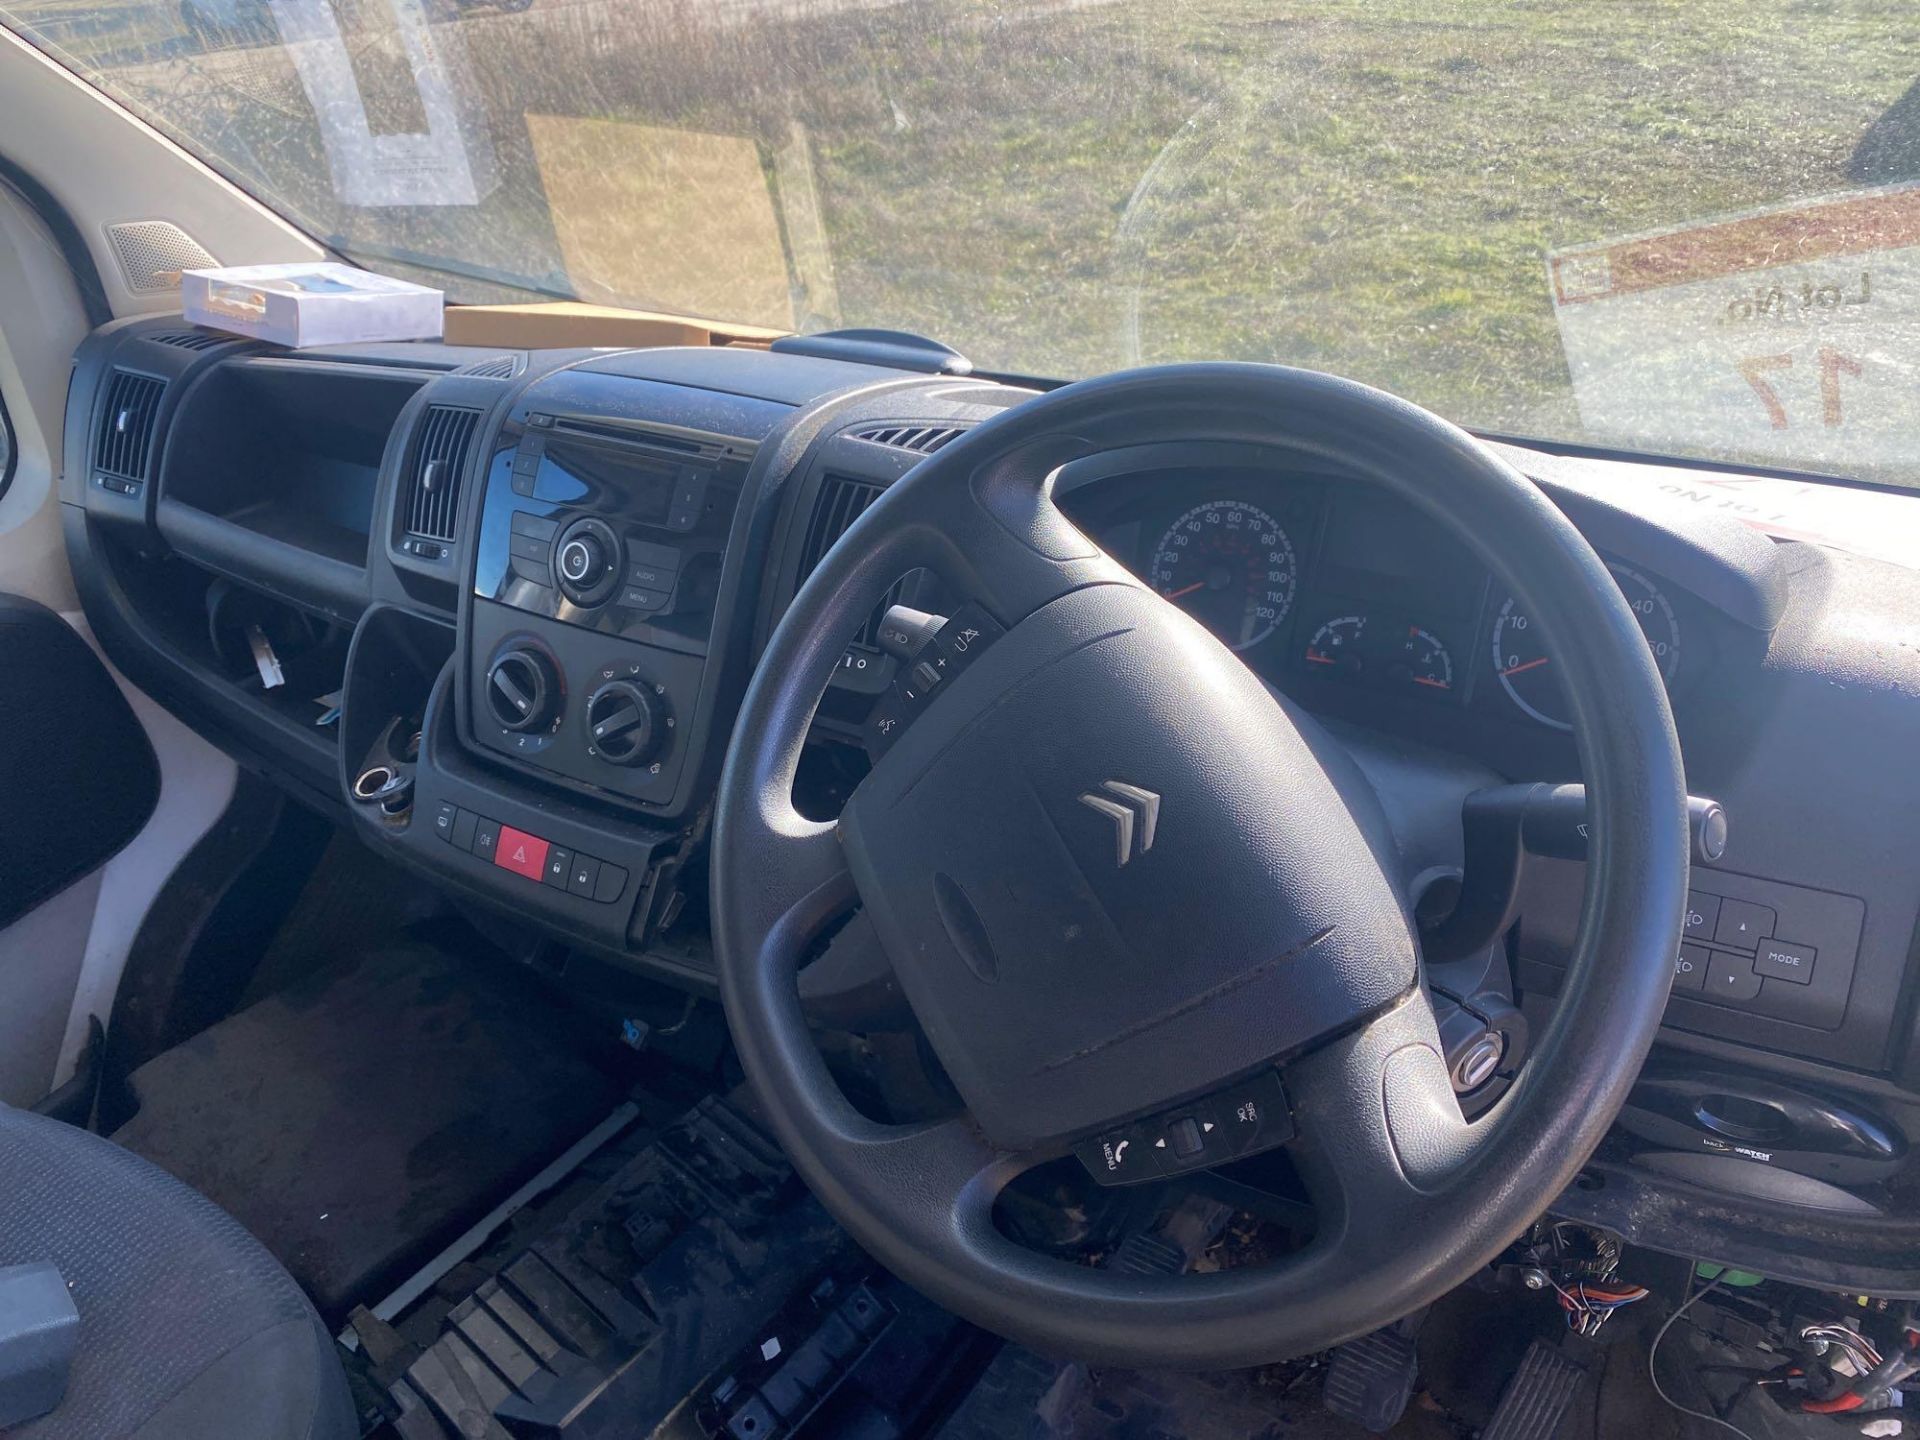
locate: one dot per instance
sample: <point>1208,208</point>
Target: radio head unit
<point>597,581</point>
<point>612,527</point>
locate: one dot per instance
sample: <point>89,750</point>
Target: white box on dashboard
<point>310,303</point>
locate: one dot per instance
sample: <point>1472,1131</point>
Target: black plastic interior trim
<point>1825,1249</point>
<point>895,349</point>
<point>295,757</point>
<point>1566,448</point>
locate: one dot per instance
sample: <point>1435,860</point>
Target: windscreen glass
<point>1691,229</point>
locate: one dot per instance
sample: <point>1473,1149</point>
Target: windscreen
<point>1691,229</point>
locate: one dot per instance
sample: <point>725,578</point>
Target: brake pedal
<point>1537,1396</point>
<point>1370,1380</point>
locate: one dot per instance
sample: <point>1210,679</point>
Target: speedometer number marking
<point>1231,566</point>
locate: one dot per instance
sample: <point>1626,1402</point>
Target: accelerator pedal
<point>1148,1255</point>
<point>1370,1380</point>
<point>1537,1396</point>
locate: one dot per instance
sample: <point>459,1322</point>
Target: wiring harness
<point>1878,1376</point>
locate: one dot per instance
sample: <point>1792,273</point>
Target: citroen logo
<point>1137,802</point>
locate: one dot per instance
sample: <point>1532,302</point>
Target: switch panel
<point>1240,1120</point>
<point>1761,947</point>
<point>532,857</point>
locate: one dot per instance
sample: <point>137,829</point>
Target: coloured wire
<point>1653,1352</point>
<point>1858,1346</point>
<point>1590,1304</point>
<point>1882,1380</point>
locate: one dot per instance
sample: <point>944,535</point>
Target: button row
<point>1723,975</point>
<point>529,855</point>
<point>532,526</point>
<point>538,481</point>
<point>1240,1120</point>
<point>646,584</point>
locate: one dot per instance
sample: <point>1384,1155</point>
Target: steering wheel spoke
<point>1378,1129</point>
<point>807,890</point>
<point>945,1173</point>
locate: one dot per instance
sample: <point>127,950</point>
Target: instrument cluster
<point>1326,585</point>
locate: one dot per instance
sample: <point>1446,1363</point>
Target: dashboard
<point>512,599</point>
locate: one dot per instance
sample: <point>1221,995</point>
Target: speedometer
<point>1229,565</point>
<point>1525,668</point>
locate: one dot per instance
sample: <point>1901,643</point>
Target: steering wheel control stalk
<point>1504,824</point>
<point>932,651</point>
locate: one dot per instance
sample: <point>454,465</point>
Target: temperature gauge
<point>1335,649</point>
<point>1423,660</point>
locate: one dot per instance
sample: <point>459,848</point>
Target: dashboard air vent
<point>501,367</point>
<point>841,501</point>
<point>433,496</point>
<point>920,439</point>
<point>126,430</point>
<point>190,339</point>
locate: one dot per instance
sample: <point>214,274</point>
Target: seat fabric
<point>188,1327</point>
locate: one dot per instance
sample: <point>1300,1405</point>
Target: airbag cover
<point>1112,873</point>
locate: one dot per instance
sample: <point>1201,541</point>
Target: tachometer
<point>1525,669</point>
<point>1230,566</point>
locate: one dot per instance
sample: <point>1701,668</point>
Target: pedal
<point>1371,1379</point>
<point>1148,1255</point>
<point>1537,1396</point>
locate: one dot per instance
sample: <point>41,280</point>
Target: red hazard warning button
<point>521,853</point>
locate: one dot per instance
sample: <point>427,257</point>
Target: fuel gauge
<point>1422,660</point>
<point>1335,649</point>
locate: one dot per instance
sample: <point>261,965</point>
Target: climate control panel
<point>603,713</point>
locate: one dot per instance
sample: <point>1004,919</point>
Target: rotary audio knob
<point>523,689</point>
<point>587,560</point>
<point>626,722</point>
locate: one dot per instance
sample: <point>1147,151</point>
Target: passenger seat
<point>188,1327</point>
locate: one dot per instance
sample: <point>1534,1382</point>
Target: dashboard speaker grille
<point>126,426</point>
<point>841,501</point>
<point>433,502</point>
<point>152,253</point>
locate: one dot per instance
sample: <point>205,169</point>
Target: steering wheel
<point>1074,970</point>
